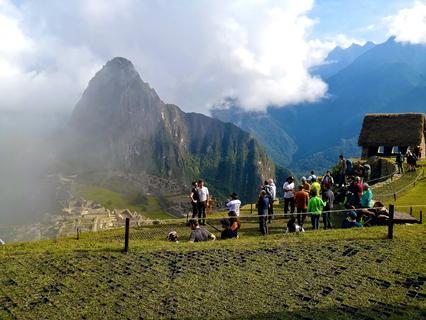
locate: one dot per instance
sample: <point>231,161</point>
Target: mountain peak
<point>120,62</point>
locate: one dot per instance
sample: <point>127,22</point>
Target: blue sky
<point>194,53</point>
<point>353,17</point>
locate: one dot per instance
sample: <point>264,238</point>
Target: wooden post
<point>390,223</point>
<point>251,207</point>
<point>411,211</point>
<point>126,235</point>
<point>394,196</point>
<point>78,233</point>
<point>421,216</point>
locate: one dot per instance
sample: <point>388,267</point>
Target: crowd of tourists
<point>411,157</point>
<point>313,196</point>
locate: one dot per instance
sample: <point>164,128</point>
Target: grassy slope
<point>412,195</point>
<point>329,274</point>
<point>111,199</point>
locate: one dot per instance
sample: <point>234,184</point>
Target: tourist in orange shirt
<point>301,198</point>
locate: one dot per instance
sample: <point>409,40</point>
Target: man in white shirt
<point>203,198</point>
<point>234,204</point>
<point>288,188</point>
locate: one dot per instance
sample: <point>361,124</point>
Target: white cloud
<point>193,53</point>
<point>409,25</point>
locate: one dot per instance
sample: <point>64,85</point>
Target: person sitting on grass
<point>350,221</point>
<point>376,215</point>
<point>172,236</point>
<point>234,221</point>
<point>227,232</point>
<point>199,234</point>
<point>315,206</point>
<point>292,226</point>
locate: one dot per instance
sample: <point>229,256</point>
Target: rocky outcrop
<point>121,125</point>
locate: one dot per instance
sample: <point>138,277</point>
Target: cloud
<point>194,53</point>
<point>409,25</point>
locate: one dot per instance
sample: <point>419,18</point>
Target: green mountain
<point>121,125</point>
<point>389,77</point>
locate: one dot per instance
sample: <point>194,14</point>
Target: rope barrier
<point>382,178</point>
<point>418,177</point>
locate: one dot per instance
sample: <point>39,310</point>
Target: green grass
<point>412,196</point>
<point>111,199</point>
<point>334,274</point>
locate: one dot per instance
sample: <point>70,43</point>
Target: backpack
<point>268,190</point>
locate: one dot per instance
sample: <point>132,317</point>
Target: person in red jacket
<point>301,198</point>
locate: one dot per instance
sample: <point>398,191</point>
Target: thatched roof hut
<point>387,131</point>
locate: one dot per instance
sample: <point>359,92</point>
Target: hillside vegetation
<point>353,274</point>
<point>325,274</point>
<point>149,206</point>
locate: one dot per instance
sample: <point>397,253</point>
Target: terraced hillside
<point>336,274</point>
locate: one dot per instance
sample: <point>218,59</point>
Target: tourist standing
<point>356,190</point>
<point>327,181</point>
<point>399,162</point>
<point>234,204</point>
<point>315,187</point>
<point>328,197</point>
<point>342,171</point>
<point>203,198</point>
<point>367,197</point>
<point>306,185</point>
<point>315,206</point>
<point>288,188</point>
<point>312,176</point>
<point>273,197</point>
<point>301,198</point>
<point>194,199</point>
<point>367,172</point>
<point>262,210</point>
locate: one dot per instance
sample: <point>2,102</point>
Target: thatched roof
<point>398,129</point>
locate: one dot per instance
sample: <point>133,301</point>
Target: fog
<point>27,158</point>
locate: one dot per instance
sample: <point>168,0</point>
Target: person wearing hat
<point>234,204</point>
<point>350,221</point>
<point>367,197</point>
<point>312,176</point>
<point>199,234</point>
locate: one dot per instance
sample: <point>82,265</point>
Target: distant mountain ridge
<point>121,124</point>
<point>386,78</point>
<point>340,58</point>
